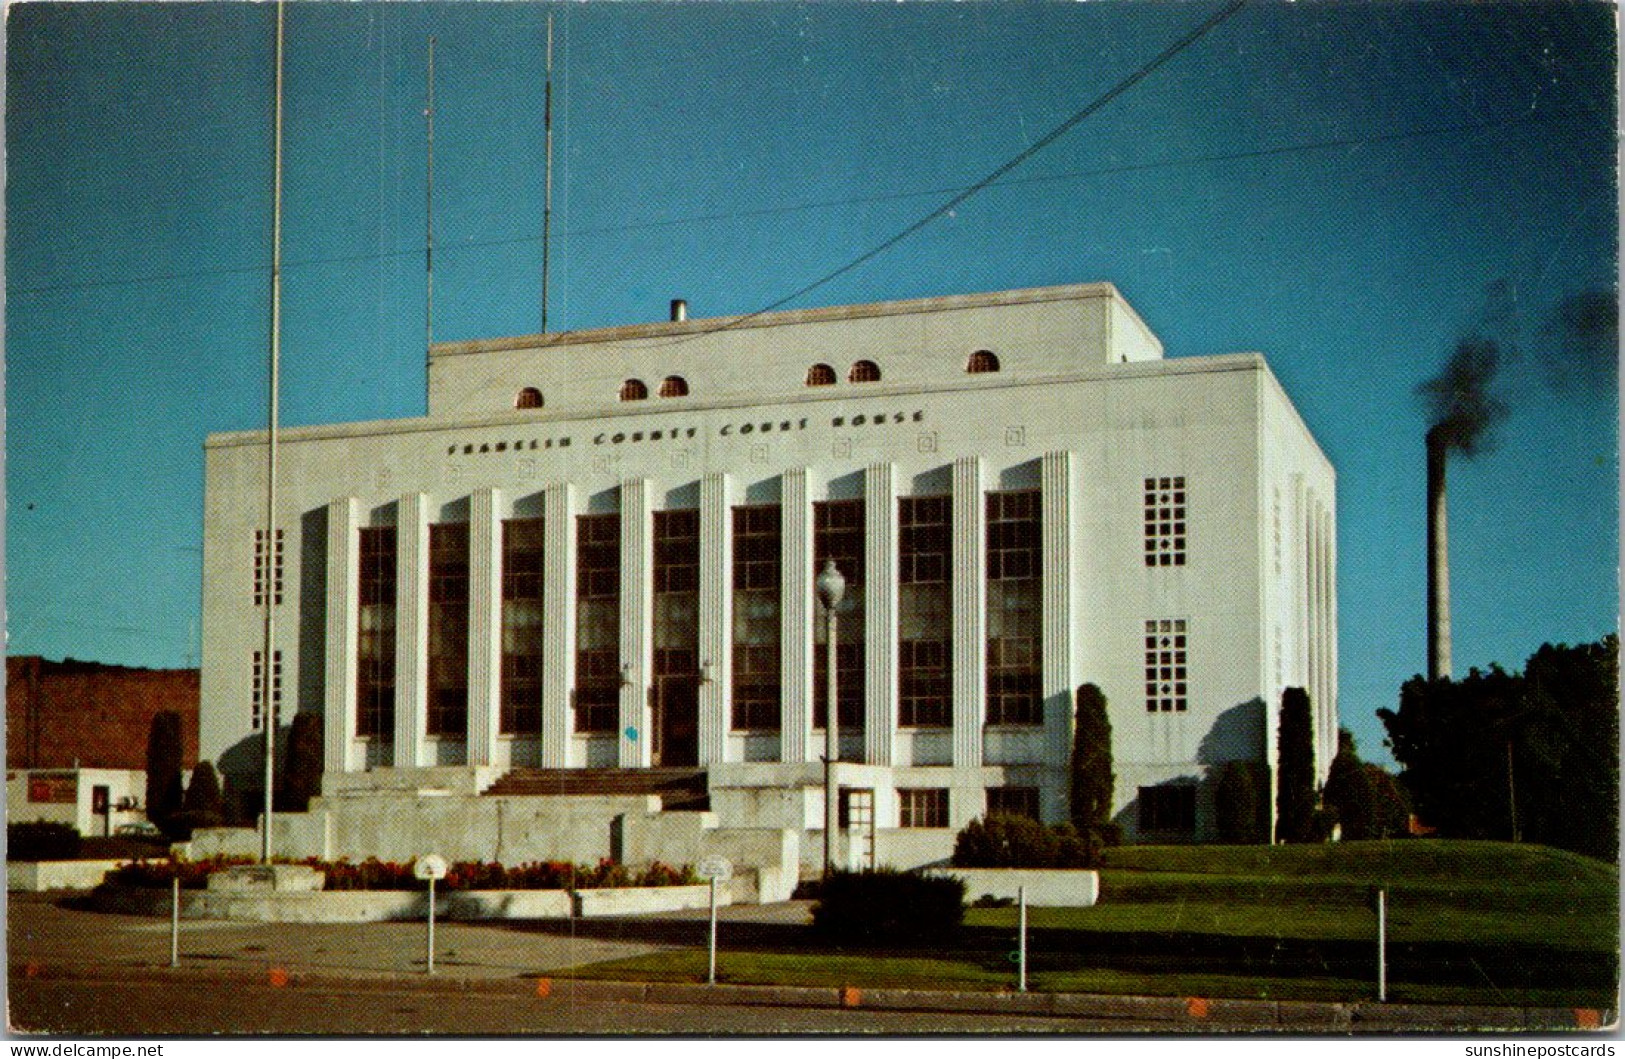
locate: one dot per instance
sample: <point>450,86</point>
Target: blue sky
<point>1337,186</point>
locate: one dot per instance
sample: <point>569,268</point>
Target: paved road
<point>142,1008</point>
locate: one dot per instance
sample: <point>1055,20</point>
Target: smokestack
<point>679,310</point>
<point>1438,444</point>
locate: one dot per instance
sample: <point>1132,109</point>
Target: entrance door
<point>677,720</point>
<point>859,803</point>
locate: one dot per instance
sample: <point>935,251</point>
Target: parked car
<point>138,829</point>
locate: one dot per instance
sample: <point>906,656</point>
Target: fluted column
<point>880,614</point>
<point>484,624</point>
<point>969,611</point>
<point>796,593</point>
<point>412,630</point>
<point>716,615</point>
<point>558,622</point>
<point>1057,502</point>
<point>343,610</point>
<point>637,619</point>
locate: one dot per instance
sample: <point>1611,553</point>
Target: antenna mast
<point>428,212</point>
<point>547,196</point>
<point>268,555</point>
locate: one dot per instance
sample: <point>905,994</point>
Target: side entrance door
<point>677,721</point>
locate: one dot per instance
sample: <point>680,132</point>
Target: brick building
<point>70,714</point>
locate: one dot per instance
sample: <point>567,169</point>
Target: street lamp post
<point>830,586</point>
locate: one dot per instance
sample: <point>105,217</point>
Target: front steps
<point>679,788</point>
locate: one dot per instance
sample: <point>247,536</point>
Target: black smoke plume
<point>1586,329</point>
<point>1461,400</point>
<point>1463,408</point>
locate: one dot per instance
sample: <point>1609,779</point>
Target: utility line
<point>948,207</point>
<point>822,204</point>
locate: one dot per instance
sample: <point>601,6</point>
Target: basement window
<point>820,375</point>
<point>634,390</point>
<point>864,371</point>
<point>529,397</point>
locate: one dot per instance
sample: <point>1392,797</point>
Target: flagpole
<point>267,657</point>
<point>547,195</point>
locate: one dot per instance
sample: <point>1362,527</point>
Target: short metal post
<point>1021,913</point>
<point>1382,945</point>
<point>711,974</point>
<point>175,921</point>
<point>431,925</point>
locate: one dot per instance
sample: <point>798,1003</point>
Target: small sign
<point>431,867</point>
<point>718,868</point>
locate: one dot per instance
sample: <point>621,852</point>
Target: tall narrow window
<point>375,643</point>
<point>1165,685</point>
<point>923,602</point>
<point>756,568</point>
<point>598,622</point>
<point>257,717</point>
<point>1014,609</point>
<point>448,629</point>
<point>676,593</point>
<point>267,568</point>
<point>1165,521</point>
<point>676,637</point>
<point>838,536</point>
<point>522,576</point>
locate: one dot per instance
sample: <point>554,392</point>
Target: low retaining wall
<point>1046,887</point>
<point>34,876</point>
<point>376,906</point>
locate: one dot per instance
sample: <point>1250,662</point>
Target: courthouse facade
<point>597,551</point>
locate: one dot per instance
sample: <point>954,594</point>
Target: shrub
<point>887,907</point>
<point>1000,841</point>
<point>42,840</point>
<point>375,874</point>
<point>1348,790</point>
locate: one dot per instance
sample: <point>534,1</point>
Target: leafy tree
<point>1295,770</point>
<point>164,767</point>
<point>1237,805</point>
<point>1531,756</point>
<point>1348,789</point>
<point>1092,778</point>
<point>302,763</point>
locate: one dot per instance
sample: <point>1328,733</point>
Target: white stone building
<point>597,550</point>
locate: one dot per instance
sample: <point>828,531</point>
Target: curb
<point>1170,1014</point>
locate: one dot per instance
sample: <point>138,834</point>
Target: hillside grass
<point>1468,922</point>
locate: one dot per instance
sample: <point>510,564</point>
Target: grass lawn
<point>1469,922</point>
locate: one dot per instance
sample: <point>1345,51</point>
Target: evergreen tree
<point>1348,789</point>
<point>1092,778</point>
<point>164,767</point>
<point>302,763</point>
<point>1390,806</point>
<point>1295,770</point>
<point>203,806</point>
<point>1236,804</point>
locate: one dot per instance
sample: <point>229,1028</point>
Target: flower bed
<point>374,874</point>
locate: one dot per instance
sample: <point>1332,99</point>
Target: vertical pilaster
<point>880,614</point>
<point>637,620</point>
<point>412,630</point>
<point>484,624</point>
<point>343,608</point>
<point>1057,503</point>
<point>796,592</point>
<point>558,622</point>
<point>1331,622</point>
<point>969,610</point>
<point>716,615</point>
